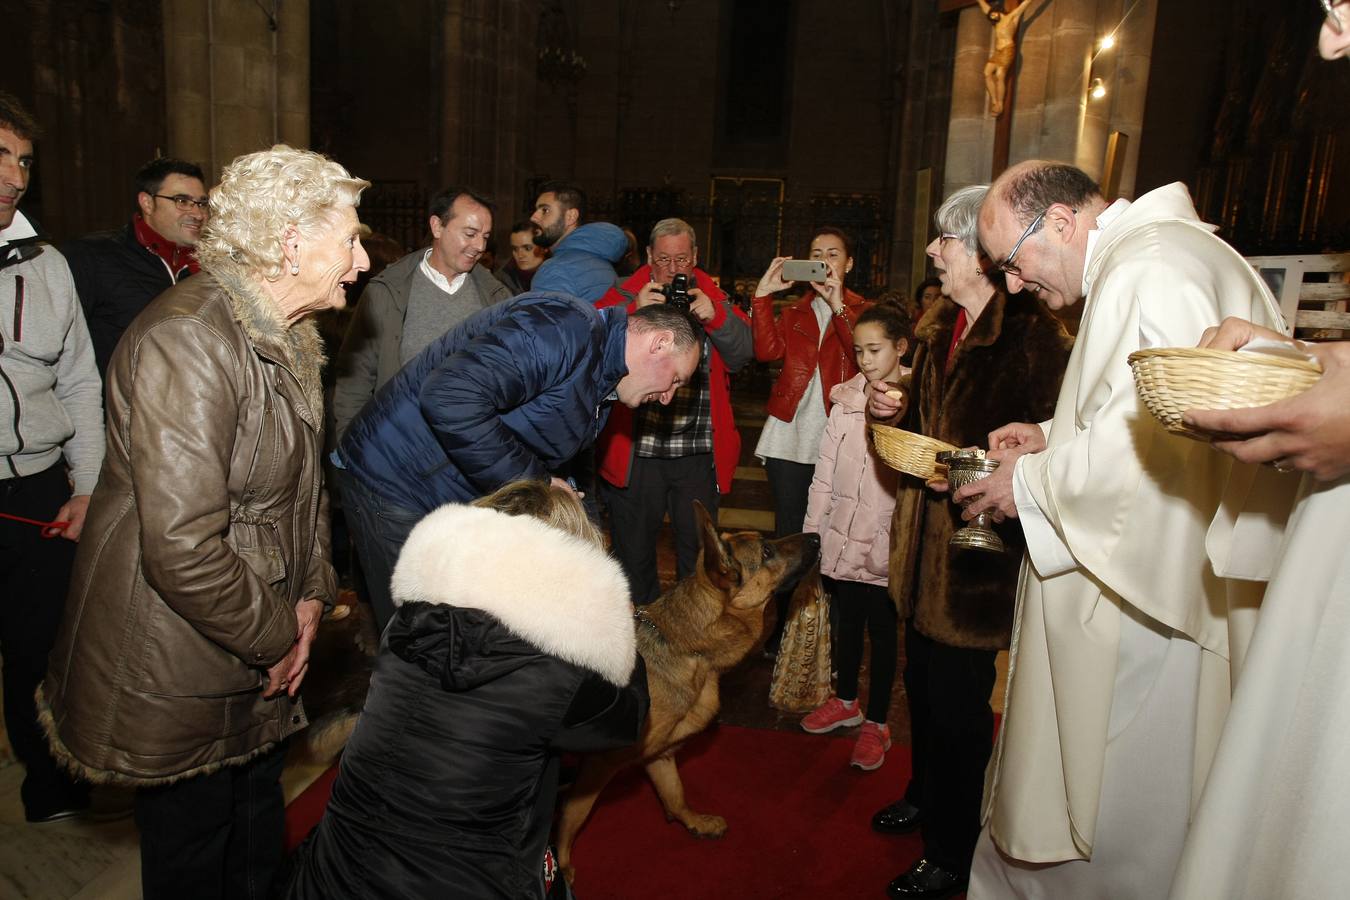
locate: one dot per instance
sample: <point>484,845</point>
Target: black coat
<point>116,277</point>
<point>446,788</point>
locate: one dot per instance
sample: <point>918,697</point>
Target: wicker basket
<point>1172,380</point>
<point>913,454</point>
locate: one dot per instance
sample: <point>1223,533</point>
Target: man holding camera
<point>658,461</point>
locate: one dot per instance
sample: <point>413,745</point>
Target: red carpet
<point>798,823</point>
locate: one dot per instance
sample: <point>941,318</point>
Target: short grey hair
<point>671,227</point>
<point>959,214</point>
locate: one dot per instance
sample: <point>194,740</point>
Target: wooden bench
<point>1313,292</point>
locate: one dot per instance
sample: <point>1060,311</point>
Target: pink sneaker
<point>870,750</point>
<point>830,715</point>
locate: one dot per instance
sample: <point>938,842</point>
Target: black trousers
<point>214,836</point>
<point>657,487</point>
<point>952,727</point>
<point>866,606</point>
<point>790,485</point>
<point>34,577</point>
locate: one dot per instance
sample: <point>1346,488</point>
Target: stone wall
<point>1053,116</point>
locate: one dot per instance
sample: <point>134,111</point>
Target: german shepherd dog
<point>700,628</point>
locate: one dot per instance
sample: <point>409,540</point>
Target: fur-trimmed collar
<point>563,595</point>
<point>297,347</point>
<point>936,325</point>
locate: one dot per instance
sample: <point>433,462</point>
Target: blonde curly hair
<point>554,506</point>
<point>260,195</point>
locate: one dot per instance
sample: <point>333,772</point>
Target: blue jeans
<point>379,529</point>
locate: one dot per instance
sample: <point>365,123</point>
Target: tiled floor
<point>99,861</point>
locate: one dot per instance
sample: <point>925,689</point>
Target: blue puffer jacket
<point>512,392</point>
<point>582,263</point>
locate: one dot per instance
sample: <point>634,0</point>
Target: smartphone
<point>806,270</point>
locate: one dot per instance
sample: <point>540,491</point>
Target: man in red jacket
<point>655,461</point>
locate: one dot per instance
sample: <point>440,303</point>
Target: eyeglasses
<point>1006,266</point>
<point>1333,18</point>
<point>666,262</point>
<point>184,203</point>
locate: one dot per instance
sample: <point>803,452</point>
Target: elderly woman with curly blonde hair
<point>204,567</point>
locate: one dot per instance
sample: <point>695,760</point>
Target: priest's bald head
<point>1035,222</point>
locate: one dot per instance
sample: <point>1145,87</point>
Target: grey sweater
<point>51,398</point>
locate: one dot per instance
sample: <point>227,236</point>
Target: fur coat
<point>1007,369</point>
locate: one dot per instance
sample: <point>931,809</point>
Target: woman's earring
<point>295,268</point>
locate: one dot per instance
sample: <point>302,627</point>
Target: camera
<point>677,292</point>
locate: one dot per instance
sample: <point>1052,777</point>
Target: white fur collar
<point>565,596</point>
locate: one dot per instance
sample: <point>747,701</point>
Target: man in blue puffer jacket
<point>512,392</point>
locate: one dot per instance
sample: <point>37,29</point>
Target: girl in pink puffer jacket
<point>850,505</point>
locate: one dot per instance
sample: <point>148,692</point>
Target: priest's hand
<point>993,495</point>
<point>1016,438</point>
<point>1309,432</point>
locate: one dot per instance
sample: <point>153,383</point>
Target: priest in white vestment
<point>1274,820</point>
<point>1124,638</point>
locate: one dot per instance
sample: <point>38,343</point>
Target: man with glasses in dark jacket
<point>117,273</point>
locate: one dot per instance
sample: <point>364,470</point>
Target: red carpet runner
<point>797,819</point>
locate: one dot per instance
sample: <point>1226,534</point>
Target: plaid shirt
<point>684,426</point>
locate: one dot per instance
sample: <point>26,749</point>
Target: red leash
<point>49,529</point>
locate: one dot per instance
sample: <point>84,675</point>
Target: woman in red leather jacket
<point>799,403</point>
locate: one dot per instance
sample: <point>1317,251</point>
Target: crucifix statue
<point>1006,22</point>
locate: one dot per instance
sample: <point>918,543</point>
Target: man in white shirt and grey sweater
<point>51,449</point>
<point>410,304</point>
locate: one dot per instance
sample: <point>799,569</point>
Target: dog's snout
<point>812,540</point>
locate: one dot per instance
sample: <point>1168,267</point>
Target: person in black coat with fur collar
<point>513,642</point>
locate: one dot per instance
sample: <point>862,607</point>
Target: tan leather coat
<point>207,526</point>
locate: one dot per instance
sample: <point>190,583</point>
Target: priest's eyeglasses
<point>184,203</point>
<point>1006,266</point>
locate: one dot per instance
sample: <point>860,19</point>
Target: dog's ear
<point>718,564</point>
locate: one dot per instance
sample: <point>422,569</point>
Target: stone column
<point>235,83</point>
<point>487,94</point>
<point>970,135</point>
<point>1053,116</point>
<point>1128,84</point>
<point>187,82</point>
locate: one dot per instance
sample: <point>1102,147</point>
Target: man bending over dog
<point>511,393</point>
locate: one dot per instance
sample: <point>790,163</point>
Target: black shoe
<point>901,817</point>
<point>59,814</point>
<point>926,880</point>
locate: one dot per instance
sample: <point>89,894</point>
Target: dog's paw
<point>705,826</point>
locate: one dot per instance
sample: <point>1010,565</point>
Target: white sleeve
<point>1049,554</point>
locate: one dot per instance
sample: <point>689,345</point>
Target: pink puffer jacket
<point>853,493</point>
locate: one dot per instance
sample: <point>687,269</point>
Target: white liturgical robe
<point>1273,820</point>
<point>1122,629</point>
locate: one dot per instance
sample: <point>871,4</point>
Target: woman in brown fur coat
<point>982,358</point>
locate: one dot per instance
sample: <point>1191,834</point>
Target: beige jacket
<point>207,526</point>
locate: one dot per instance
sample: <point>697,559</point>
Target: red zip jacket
<point>614,447</point>
<point>794,337</point>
